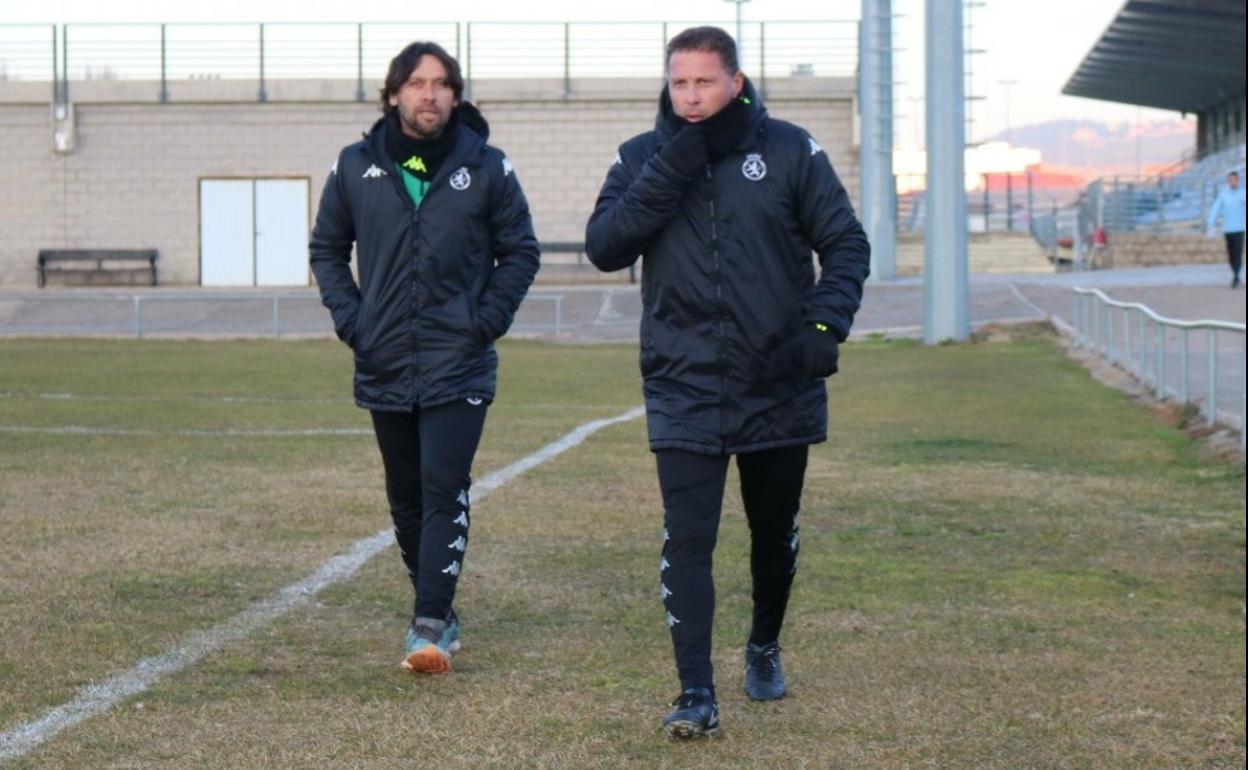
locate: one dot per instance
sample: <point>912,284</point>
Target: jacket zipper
<point>719,302</point>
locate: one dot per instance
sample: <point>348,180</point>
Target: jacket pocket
<point>363,324</point>
<point>646,357</point>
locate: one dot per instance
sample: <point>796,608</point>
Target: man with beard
<point>726,205</point>
<point>446,252</point>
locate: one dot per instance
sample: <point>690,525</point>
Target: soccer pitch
<point>1004,565</point>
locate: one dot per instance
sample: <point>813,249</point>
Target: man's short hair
<point>408,59</point>
<point>1234,174</point>
<point>710,40</point>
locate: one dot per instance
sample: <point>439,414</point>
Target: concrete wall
<point>1148,249</point>
<point>132,178</point>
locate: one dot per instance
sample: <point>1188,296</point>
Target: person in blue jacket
<point>726,206</point>
<point>1229,207</point>
<point>445,252</point>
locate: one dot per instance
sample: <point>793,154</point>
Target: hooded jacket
<point>437,284</point>
<point>728,278</point>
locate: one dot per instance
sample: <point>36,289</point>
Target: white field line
<point>99,697</point>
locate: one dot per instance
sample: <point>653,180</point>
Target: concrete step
<point>986,253</point>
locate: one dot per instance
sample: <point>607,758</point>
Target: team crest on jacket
<point>754,168</point>
<point>461,179</point>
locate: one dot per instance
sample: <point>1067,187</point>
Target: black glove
<point>685,152</point>
<point>813,352</point>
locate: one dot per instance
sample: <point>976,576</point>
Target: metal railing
<point>1007,203</point>
<point>208,314</point>
<point>161,53</point>
<point>1172,203</point>
<point>1185,360</point>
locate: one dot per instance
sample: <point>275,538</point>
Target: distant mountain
<point>1107,148</point>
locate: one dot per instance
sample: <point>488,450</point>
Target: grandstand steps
<point>1005,253</point>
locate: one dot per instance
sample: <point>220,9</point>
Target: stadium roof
<point>1184,55</point>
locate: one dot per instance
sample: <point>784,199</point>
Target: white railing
<point>1190,361</point>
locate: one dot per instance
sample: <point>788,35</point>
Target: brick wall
<point>132,180</point>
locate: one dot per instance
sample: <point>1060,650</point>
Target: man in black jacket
<point>726,205</point>
<point>446,252</point>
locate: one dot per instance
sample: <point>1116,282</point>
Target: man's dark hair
<point>710,40</point>
<point>1234,174</point>
<point>402,65</point>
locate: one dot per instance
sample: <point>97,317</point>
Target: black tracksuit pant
<point>428,456</point>
<point>693,493</point>
<point>1235,251</point>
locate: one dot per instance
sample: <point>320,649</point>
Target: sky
<point>1036,43</point>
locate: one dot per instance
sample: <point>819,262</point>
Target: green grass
<point>1004,565</point>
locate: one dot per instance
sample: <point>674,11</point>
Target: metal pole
<point>1243,385</point>
<point>740,41</point>
<point>65,64</point>
<point>1095,318</point>
<point>558,315</point>
<point>875,100</point>
<point>1211,391</point>
<point>263,94</point>
<point>1126,340</point>
<point>1183,382</point>
<point>762,58</point>
<point>468,58</point>
<point>1009,203</point>
<point>1085,321</point>
<point>1081,334</point>
<point>1161,361</point>
<point>987,206</point>
<point>664,49</point>
<point>359,61</point>
<point>1109,332</point>
<point>164,78</point>
<point>277,329</point>
<point>56,68</point>
<point>1031,204</point>
<point>946,287</point>
<point>567,60</point>
<point>138,322</point>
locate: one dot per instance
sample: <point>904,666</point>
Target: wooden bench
<point>96,262</point>
<point>578,248</point>
<point>565,247</point>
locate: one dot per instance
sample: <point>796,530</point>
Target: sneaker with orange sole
<point>429,645</point>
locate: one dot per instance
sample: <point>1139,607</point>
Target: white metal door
<point>281,232</point>
<point>226,232</point>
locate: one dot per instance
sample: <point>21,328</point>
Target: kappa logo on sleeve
<point>334,168</point>
<point>815,148</point>
<point>618,160</point>
<point>507,167</point>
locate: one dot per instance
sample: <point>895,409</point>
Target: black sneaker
<point>764,676</point>
<point>696,714</point>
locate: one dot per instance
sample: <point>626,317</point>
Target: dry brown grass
<point>1029,573</point>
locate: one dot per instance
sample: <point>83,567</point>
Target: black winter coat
<point>728,277</point>
<point>438,284</point>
